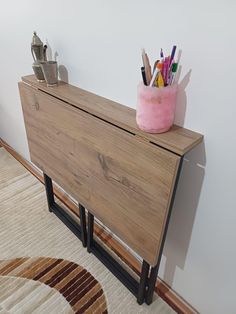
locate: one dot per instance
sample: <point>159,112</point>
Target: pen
<point>154,76</point>
<point>143,75</point>
<point>162,54</point>
<point>155,65</point>
<point>170,62</point>
<point>172,54</point>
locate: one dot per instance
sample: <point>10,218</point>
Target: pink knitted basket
<point>156,108</point>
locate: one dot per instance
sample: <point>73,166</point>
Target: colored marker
<point>173,72</point>
<point>166,70</point>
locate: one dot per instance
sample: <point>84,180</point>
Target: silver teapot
<point>38,50</point>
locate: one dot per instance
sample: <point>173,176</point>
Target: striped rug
<point>43,266</point>
<point>29,283</point>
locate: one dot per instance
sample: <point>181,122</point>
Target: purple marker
<point>165,70</point>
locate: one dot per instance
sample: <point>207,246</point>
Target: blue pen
<point>172,54</point>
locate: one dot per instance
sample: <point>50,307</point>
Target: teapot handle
<point>44,52</point>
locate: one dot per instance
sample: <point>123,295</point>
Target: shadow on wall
<point>184,211</point>
<point>181,103</point>
<point>63,73</point>
<point>62,70</point>
<point>48,51</point>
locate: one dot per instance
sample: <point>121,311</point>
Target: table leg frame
<point>137,288</point>
<point>142,289</point>
<point>78,230</point>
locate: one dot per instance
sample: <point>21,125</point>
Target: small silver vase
<point>50,72</point>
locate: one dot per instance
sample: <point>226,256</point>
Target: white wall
<point>99,44</point>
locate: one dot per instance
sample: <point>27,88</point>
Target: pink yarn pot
<point>156,108</point>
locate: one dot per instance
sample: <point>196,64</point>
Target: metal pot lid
<point>36,41</point>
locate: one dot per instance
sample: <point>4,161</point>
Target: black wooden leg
<point>90,231</point>
<point>83,225</point>
<point>143,283</point>
<point>49,191</point>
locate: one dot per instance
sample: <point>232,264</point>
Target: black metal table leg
<point>144,289</point>
<point>114,266</point>
<point>151,284</point>
<point>83,225</point>
<point>90,232</point>
<point>78,230</point>
<point>49,191</point>
<point>143,282</point>
<point>154,270</point>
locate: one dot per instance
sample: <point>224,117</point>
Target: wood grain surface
<point>177,139</point>
<point>124,181</point>
<point>163,290</point>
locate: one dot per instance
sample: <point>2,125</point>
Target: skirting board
<point>162,289</point>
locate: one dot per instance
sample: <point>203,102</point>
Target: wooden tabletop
<point>178,140</point>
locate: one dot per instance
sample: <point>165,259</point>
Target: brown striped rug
<point>38,285</point>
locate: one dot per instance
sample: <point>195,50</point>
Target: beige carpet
<point>34,243</point>
<point>26,283</point>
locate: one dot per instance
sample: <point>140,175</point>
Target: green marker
<point>173,72</point>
